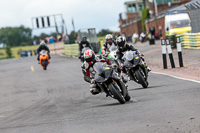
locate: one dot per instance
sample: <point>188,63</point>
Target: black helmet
<point>121,42</point>
<point>84,39</point>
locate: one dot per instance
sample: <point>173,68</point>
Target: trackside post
<point>164,54</point>
<point>179,50</point>
<point>169,49</point>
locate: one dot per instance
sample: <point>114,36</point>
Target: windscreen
<point>129,55</point>
<point>43,52</point>
<point>84,49</point>
<point>98,67</point>
<point>179,23</point>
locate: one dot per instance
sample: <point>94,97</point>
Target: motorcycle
<point>136,68</point>
<point>44,59</point>
<point>110,83</point>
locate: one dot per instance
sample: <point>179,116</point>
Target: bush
<point>145,15</point>
<point>19,50</point>
<point>1,54</point>
<point>8,51</point>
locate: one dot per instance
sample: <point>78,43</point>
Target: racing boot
<point>94,89</point>
<point>148,69</point>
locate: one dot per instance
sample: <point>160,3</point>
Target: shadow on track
<point>116,104</point>
<point>147,87</point>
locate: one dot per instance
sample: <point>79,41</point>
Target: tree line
<point>16,36</point>
<point>22,36</point>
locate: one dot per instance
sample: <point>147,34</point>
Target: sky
<point>99,14</point>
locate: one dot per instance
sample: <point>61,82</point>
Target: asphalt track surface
<point>58,101</point>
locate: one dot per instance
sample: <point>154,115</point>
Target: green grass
<point>15,50</point>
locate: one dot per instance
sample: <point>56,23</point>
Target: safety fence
<point>190,40</point>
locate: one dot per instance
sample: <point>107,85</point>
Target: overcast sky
<point>100,14</point>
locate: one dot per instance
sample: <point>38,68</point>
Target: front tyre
<point>44,64</point>
<point>141,79</point>
<point>127,97</point>
<point>115,92</point>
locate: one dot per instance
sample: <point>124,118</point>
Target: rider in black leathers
<point>122,48</point>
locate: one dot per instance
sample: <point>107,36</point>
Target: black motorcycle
<point>110,83</point>
<point>136,68</point>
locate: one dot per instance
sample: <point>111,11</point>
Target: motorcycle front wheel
<point>141,79</point>
<point>115,92</point>
<point>44,64</point>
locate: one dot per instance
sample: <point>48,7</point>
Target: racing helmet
<point>109,38</point>
<point>121,42</point>
<point>89,56</point>
<point>42,43</point>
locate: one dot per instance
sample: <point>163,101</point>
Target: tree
<point>73,35</point>
<point>145,15</point>
<point>104,32</point>
<point>16,36</point>
<point>8,51</point>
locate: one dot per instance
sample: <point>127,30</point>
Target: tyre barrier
<point>190,40</point>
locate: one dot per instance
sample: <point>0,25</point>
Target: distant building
<point>133,24</point>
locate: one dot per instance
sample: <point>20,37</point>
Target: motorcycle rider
<point>122,48</point>
<point>82,44</point>
<point>88,71</point>
<point>43,46</point>
<point>109,43</point>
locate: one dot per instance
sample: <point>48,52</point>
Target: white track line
<point>196,81</point>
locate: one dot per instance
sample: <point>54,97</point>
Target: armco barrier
<point>190,40</point>
<point>71,50</point>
